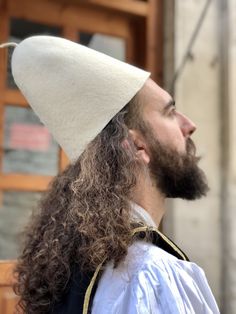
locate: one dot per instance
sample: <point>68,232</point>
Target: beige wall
<point>230,221</point>
<point>196,225</point>
<point>232,84</point>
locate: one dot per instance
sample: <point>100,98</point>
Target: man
<point>94,245</point>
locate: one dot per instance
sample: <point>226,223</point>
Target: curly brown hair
<point>83,218</point>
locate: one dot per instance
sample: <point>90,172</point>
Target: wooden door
<point>20,181</point>
<point>8,299</point>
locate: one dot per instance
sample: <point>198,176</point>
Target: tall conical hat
<point>74,90</point>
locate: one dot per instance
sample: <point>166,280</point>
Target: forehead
<point>153,97</point>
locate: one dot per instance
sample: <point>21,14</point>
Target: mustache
<point>191,150</point>
<point>190,147</point>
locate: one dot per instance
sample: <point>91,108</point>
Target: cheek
<point>179,144</point>
<point>171,135</point>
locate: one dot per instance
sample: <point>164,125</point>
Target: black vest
<point>79,295</point>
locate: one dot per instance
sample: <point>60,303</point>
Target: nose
<point>187,126</point>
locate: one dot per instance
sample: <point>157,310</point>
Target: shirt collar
<point>138,214</point>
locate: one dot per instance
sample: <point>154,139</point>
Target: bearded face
<point>176,175</point>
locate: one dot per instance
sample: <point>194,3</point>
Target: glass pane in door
<point>21,29</point>
<point>15,210</point>
<point>110,45</point>
<point>28,145</point>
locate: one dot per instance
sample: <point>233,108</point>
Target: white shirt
<point>150,280</point>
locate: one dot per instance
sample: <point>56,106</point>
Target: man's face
<point>169,126</point>
<point>173,163</point>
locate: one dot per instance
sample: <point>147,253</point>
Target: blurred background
<point>190,48</point>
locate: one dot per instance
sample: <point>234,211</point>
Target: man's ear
<point>141,146</point>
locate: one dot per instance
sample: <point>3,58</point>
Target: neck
<point>150,198</point>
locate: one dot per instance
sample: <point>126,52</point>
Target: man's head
<point>162,139</point>
<point>75,113</point>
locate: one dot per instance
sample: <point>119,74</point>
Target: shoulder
<point>148,252</point>
<point>146,257</point>
<point>134,282</point>
<point>142,257</point>
<point>144,263</point>
<point>143,254</point>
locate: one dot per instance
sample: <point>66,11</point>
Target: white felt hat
<point>73,89</point>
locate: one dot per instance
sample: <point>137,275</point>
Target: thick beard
<point>177,175</point>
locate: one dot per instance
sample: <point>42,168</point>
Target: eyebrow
<point>170,103</point>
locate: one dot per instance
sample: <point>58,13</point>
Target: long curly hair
<point>83,218</point>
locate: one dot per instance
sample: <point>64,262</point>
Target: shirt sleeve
<point>167,289</point>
